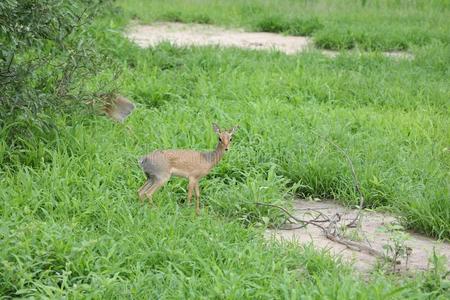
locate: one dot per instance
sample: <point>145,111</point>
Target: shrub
<point>48,55</point>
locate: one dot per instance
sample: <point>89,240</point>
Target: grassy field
<point>72,226</point>
<point>374,25</point>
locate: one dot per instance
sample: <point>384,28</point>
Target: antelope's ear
<point>216,128</point>
<point>234,129</point>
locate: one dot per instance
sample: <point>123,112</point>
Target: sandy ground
<point>206,35</point>
<point>422,247</point>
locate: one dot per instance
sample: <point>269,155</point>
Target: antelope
<point>160,165</point>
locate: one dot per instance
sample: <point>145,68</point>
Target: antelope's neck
<point>215,156</point>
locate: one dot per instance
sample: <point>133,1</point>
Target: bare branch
<point>331,231</point>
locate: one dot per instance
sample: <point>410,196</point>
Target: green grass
<point>392,120</point>
<point>371,25</point>
<point>72,226</point>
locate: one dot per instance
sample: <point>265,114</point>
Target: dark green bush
<point>296,26</point>
<point>47,54</point>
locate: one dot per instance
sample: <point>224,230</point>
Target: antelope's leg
<point>191,186</point>
<point>144,188</point>
<point>159,182</point>
<point>197,199</point>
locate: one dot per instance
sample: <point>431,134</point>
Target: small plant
<point>353,234</point>
<point>438,278</point>
<point>396,248</point>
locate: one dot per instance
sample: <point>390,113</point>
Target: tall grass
<point>73,228</point>
<point>391,119</point>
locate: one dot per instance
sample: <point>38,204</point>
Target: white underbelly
<point>179,173</point>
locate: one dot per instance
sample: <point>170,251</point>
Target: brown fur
<point>118,108</point>
<point>160,165</point>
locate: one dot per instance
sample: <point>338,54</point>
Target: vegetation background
<point>71,225</point>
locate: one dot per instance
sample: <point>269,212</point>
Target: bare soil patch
<point>369,234</point>
<point>181,34</point>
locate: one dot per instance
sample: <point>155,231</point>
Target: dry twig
<point>331,231</point>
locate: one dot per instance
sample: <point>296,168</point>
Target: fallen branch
<point>332,234</point>
<point>304,222</point>
<point>314,209</point>
<point>331,231</point>
<point>355,246</point>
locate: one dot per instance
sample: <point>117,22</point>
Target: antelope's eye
<point>220,139</point>
<point>230,139</point>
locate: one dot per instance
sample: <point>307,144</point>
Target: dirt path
<point>422,247</point>
<point>205,35</point>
